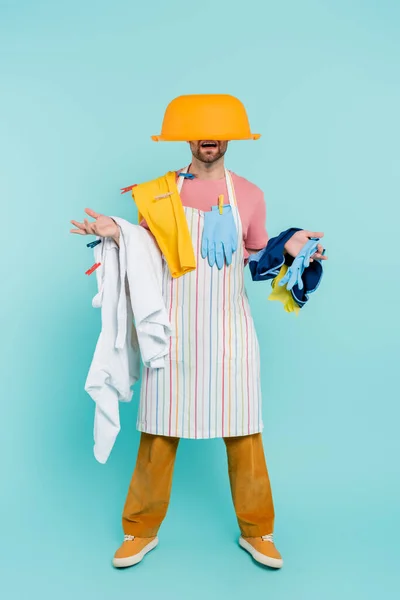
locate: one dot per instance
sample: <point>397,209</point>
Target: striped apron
<point>210,386</point>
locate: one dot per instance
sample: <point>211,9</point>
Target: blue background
<point>83,86</point>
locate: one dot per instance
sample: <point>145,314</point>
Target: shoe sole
<point>267,561</point>
<point>129,561</point>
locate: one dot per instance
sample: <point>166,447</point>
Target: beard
<point>208,151</point>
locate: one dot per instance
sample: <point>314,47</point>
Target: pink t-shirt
<point>203,194</point>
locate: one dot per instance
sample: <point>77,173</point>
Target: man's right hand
<point>102,226</point>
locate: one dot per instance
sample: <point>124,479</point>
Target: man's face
<point>208,151</point>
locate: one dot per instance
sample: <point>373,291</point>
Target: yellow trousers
<point>150,488</point>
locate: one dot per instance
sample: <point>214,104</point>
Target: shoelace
<point>129,538</point>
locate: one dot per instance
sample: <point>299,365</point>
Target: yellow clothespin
<point>221,204</point>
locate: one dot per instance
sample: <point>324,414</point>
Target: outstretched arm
<point>256,237</point>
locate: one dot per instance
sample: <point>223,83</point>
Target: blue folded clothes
<point>267,263</point>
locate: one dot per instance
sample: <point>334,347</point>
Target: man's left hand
<point>300,239</point>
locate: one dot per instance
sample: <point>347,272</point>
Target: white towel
<point>129,284</point>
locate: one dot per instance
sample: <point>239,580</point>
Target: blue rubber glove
<point>301,262</point>
<point>219,240</point>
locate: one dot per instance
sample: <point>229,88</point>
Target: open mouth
<point>208,144</point>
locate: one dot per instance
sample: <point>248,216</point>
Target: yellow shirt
<point>159,203</point>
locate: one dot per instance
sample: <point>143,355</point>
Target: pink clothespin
<point>163,196</point>
<point>128,189</point>
<point>92,269</point>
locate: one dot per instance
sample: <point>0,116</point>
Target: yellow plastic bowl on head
<point>205,117</point>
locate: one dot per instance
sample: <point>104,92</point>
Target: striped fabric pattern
<point>210,386</point>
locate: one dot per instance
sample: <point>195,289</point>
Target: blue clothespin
<point>93,244</point>
<point>187,175</point>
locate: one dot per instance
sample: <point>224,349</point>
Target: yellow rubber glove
<point>282,294</point>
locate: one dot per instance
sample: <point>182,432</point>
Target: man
<point>210,386</point>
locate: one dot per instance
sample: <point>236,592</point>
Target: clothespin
<point>93,244</point>
<point>187,175</point>
<point>92,269</point>
<point>163,196</point>
<point>128,189</point>
<point>221,204</point>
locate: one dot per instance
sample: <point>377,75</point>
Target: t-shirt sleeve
<point>257,236</point>
<point>143,223</point>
